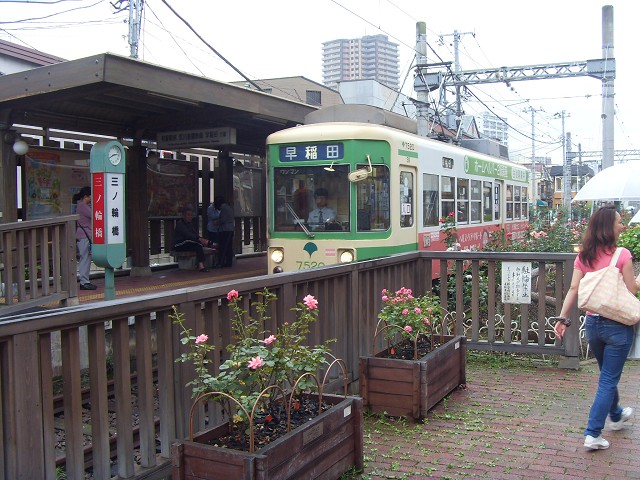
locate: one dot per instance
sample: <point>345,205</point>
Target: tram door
<point>408,211</point>
<point>498,204</point>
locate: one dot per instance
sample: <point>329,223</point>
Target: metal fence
<point>115,360</point>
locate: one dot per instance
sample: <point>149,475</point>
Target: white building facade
<point>370,57</point>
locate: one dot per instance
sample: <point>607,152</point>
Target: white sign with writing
<point>206,137</point>
<point>516,282</point>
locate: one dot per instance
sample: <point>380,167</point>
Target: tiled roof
<point>30,55</point>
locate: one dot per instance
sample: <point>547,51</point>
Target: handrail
<point>51,343</point>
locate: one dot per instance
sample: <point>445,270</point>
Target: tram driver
<point>322,217</point>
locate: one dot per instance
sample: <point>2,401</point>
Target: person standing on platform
<point>227,227</point>
<point>213,224</point>
<point>82,199</point>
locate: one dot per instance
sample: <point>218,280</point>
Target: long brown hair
<point>599,235</point>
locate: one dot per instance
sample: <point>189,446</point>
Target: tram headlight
<point>277,255</point>
<point>346,256</point>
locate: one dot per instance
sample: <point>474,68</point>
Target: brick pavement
<point>509,423</point>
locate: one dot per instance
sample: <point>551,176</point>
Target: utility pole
<point>456,68</point>
<point>579,163</point>
<point>135,23</point>
<point>534,189</point>
<point>422,105</point>
<point>566,170</point>
<point>607,88</point>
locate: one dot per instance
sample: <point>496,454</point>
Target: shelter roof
<point>112,95</point>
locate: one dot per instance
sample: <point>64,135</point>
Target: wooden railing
<point>87,341</point>
<point>37,263</point>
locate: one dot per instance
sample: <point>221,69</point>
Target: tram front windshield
<point>311,196</point>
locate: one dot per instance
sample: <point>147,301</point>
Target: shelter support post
<point>137,212</point>
<point>8,170</point>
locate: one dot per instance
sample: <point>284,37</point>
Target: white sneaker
<point>597,443</point>
<point>626,415</point>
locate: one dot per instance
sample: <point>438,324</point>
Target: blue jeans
<point>610,343</point>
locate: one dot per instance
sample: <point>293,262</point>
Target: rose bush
<point>259,361</point>
<point>410,317</point>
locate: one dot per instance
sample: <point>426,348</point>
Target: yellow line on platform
<point>168,286</point>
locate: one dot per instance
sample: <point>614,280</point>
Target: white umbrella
<point>636,218</point>
<point>619,182</point>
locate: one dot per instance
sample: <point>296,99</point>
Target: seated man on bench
<point>187,239</point>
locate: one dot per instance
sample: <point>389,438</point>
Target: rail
<point>136,335</point>
<point>37,263</point>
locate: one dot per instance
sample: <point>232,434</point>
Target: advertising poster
<point>172,184</point>
<point>51,179</point>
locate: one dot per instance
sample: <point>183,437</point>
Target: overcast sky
<point>279,38</point>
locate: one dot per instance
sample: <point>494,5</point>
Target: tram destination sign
<point>299,153</point>
<point>206,137</point>
<point>494,169</point>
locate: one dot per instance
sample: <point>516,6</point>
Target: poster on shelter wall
<point>171,185</point>
<point>247,191</point>
<point>516,282</point>
<point>51,179</point>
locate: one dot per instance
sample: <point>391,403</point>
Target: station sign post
<point>107,165</point>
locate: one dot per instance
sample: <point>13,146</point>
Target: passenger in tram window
<point>302,200</point>
<point>322,214</point>
<point>187,239</point>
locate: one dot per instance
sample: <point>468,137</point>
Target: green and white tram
<point>342,192</point>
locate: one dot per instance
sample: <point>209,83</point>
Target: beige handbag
<point>604,292</point>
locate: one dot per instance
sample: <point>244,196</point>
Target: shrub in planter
<point>409,384</point>
<point>269,380</point>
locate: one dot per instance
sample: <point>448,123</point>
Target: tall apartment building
<point>494,127</point>
<point>370,57</point>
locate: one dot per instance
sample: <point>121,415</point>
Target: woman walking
<point>610,341</point>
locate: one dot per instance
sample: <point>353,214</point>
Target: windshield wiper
<point>299,221</point>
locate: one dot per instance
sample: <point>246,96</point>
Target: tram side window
<point>487,203</point>
<point>516,203</point>
<point>509,200</point>
<point>525,203</point>
<point>406,199</point>
<point>430,200</point>
<point>463,200</point>
<point>476,201</point>
<point>448,200</point>
<point>372,201</point>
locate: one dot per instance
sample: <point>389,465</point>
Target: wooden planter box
<point>323,448</point>
<point>410,388</point>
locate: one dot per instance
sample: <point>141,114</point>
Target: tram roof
<point>112,95</point>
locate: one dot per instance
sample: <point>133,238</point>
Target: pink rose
<point>269,340</point>
<point>405,311</point>
<point>232,295</point>
<point>408,329</point>
<point>201,338</point>
<point>255,363</point>
<point>417,310</point>
<point>311,302</point>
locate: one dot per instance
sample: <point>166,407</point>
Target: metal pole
<point>422,94</point>
<point>534,190</point>
<point>566,171</point>
<point>607,89</point>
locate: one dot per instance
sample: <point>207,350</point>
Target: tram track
<point>58,409</point>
